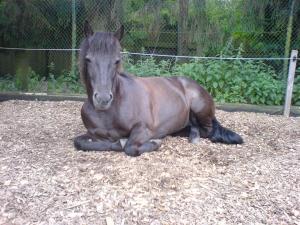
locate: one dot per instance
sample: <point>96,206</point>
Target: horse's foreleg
<point>87,143</point>
<point>136,150</point>
<point>140,141</point>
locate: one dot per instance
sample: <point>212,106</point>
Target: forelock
<point>104,43</point>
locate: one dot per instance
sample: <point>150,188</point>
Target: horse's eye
<point>88,60</point>
<point>117,61</point>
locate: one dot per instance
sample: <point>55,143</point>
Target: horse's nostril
<point>109,99</point>
<point>96,96</point>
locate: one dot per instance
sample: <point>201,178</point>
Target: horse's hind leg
<point>210,128</point>
<point>194,133</point>
<point>194,136</point>
<point>203,111</point>
<point>201,116</point>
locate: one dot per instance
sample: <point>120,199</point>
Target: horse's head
<point>100,62</point>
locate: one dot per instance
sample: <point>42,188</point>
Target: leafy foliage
<point>147,66</point>
<point>234,81</point>
<point>63,83</point>
<point>237,81</point>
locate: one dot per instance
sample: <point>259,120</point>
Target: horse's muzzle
<point>102,101</point>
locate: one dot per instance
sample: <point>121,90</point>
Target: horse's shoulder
<point>127,77</point>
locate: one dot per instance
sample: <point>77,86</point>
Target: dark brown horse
<point>131,114</point>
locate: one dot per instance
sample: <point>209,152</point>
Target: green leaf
<point>215,84</point>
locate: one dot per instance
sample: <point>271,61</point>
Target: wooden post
<point>290,83</point>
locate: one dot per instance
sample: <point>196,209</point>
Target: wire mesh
<point>204,27</point>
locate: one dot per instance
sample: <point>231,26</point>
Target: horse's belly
<point>173,115</point>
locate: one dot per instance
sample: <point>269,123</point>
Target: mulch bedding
<point>44,180</point>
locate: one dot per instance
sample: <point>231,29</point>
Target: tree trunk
<point>288,39</point>
<point>296,27</point>
<point>183,28</point>
<point>201,31</point>
<point>73,56</point>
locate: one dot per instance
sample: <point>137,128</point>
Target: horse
<point>131,114</point>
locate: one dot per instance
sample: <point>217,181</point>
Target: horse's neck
<point>126,75</point>
<point>123,81</point>
<point>119,84</point>
<point>89,94</point>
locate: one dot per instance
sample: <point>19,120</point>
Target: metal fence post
<point>290,83</point>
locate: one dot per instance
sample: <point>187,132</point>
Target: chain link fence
<point>204,28</point>
<point>177,27</point>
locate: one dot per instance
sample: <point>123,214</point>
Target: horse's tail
<point>224,135</point>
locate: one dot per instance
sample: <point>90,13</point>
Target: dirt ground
<point>43,180</point>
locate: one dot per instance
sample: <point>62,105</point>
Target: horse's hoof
<point>156,141</point>
<point>195,140</point>
<point>132,152</point>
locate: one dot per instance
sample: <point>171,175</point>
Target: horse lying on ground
<point>128,113</point>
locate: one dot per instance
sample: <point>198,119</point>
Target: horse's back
<point>195,96</point>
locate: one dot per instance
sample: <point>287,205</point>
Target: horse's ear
<point>88,31</point>
<point>119,33</point>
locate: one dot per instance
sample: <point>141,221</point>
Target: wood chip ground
<point>44,180</point>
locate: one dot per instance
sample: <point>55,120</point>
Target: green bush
<point>63,83</point>
<point>7,83</point>
<point>66,82</point>
<point>236,81</point>
<point>147,66</point>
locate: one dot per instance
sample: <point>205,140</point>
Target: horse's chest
<point>106,128</point>
<point>102,125</point>
<point>106,133</point>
